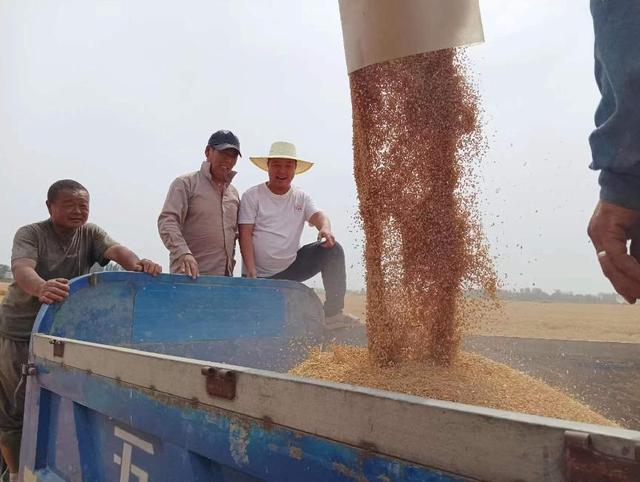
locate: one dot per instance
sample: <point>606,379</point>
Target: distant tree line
<point>5,270</point>
<point>111,266</point>
<point>557,296</point>
<point>538,295</point>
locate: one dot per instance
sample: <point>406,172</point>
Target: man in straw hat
<point>270,222</point>
<point>198,222</point>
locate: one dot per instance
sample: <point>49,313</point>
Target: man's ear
<point>206,151</point>
<point>48,204</point>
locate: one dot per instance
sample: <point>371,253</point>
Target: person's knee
<point>336,251</point>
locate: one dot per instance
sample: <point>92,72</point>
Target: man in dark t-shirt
<point>45,256</point>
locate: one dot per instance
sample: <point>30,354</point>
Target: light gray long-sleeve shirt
<point>200,217</point>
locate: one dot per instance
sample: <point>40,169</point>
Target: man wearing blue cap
<point>198,223</point>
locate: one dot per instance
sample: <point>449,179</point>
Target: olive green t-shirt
<point>55,257</point>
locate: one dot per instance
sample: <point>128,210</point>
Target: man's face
<point>281,172</point>
<point>70,209</point>
<point>222,162</point>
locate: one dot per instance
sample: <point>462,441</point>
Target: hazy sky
<point>122,96</point>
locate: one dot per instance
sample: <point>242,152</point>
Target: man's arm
<point>130,261</point>
<point>247,216</point>
<point>47,291</point>
<point>170,221</point>
<point>615,146</point>
<point>323,224</point>
<point>246,248</point>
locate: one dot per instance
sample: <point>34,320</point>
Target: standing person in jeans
<point>615,144</point>
<point>271,218</point>
<point>198,222</point>
<point>45,256</point>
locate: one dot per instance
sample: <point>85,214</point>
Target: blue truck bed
<point>135,378</point>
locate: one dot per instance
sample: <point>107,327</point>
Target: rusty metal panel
<point>583,462</point>
<point>220,382</point>
<point>58,348</point>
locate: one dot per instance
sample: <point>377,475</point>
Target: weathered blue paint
<point>187,311</point>
<point>258,323</point>
<point>80,413</point>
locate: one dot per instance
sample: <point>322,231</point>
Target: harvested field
<point>3,290</point>
<point>566,321</point>
<point>471,379</point>
<point>554,321</point>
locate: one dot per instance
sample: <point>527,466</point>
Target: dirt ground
<point>553,321</point>
<point>604,375</point>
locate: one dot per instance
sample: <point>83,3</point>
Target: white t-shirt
<point>278,221</point>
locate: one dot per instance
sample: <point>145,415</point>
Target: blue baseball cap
<point>222,139</point>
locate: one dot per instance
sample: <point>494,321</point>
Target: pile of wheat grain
<point>470,379</point>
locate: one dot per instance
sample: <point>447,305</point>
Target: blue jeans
<point>615,143</point>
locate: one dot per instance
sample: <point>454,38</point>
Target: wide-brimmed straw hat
<point>282,150</point>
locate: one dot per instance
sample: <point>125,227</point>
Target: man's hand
<point>610,228</point>
<point>148,266</point>
<point>329,239</point>
<point>130,261</point>
<point>251,273</point>
<point>56,289</point>
<point>189,266</point>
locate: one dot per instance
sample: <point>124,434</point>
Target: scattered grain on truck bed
<point>470,379</point>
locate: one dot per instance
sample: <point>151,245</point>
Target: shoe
<point>341,320</point>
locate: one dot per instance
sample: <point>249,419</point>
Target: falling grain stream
<point>417,138</point>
